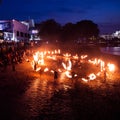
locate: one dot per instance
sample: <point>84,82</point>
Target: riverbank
<point>25,95</point>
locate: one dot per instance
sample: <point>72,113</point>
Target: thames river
<point>111,50</point>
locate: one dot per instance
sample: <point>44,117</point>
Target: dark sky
<point>105,13</point>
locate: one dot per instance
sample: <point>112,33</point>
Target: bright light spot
<point>111,67</point>
<point>92,76</point>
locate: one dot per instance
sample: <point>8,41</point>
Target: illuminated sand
<point>25,70</point>
<point>66,98</point>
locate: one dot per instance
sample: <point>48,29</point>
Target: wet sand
<point>84,101</point>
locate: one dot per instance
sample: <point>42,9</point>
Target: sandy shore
<point>95,100</point>
<point>24,72</point>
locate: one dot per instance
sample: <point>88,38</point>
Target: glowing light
<point>68,74</point>
<point>84,56</point>
<point>69,65</point>
<point>46,69</point>
<point>85,80</point>
<point>35,57</point>
<point>39,68</point>
<point>98,66</point>
<point>111,67</point>
<point>92,76</point>
<point>76,56</point>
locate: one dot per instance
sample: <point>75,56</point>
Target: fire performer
<point>73,75</point>
<point>35,65</point>
<point>105,76</point>
<point>13,61</point>
<point>55,75</point>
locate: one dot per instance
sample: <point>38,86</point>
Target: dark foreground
<point>26,95</point>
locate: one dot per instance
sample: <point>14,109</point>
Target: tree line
<point>83,31</point>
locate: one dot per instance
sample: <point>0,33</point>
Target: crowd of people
<point>11,54</point>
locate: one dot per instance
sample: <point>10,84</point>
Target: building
<point>117,34</point>
<point>33,32</point>
<point>14,30</point>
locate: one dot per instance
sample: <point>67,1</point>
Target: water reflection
<point>111,50</point>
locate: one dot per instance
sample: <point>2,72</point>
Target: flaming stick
<point>111,67</point>
<point>92,76</point>
<point>68,68</point>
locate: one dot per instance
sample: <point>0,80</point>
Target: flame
<point>92,76</point>
<point>46,69</point>
<point>59,51</point>
<point>52,71</point>
<point>75,57</point>
<point>59,70</point>
<point>39,68</point>
<point>98,62</point>
<point>68,74</point>
<point>67,68</point>
<point>100,66</point>
<point>86,80</point>
<point>69,65</point>
<point>111,67</point>
<point>84,56</point>
<point>36,57</point>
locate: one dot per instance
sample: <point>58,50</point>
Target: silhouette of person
<point>55,75</point>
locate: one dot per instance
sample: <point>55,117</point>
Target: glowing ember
<point>37,69</point>
<point>75,57</point>
<point>68,74</point>
<point>111,67</point>
<point>46,69</point>
<point>85,80</point>
<point>92,76</point>
<point>69,64</point>
<point>84,56</point>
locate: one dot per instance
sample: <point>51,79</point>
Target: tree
<point>49,30</point>
<point>87,29</point>
<point>68,32</point>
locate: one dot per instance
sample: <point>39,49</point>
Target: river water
<point>111,50</point>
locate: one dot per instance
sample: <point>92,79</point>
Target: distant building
<point>107,37</point>
<point>14,30</point>
<point>33,32</point>
<point>116,34</point>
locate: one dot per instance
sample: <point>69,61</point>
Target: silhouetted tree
<point>84,30</point>
<point>68,32</point>
<point>49,30</point>
<point>87,29</point>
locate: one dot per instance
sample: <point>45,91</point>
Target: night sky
<point>105,13</point>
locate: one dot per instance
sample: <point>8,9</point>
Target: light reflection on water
<point>111,50</point>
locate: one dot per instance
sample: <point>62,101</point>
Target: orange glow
<point>46,69</point>
<point>84,56</point>
<point>92,76</point>
<point>68,74</point>
<point>85,80</point>
<point>111,67</point>
<point>75,57</point>
<point>65,63</point>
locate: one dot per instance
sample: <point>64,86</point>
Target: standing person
<point>13,61</point>
<point>73,74</point>
<point>5,62</point>
<point>105,76</point>
<point>35,65</point>
<point>55,76</point>
<point>105,73</point>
